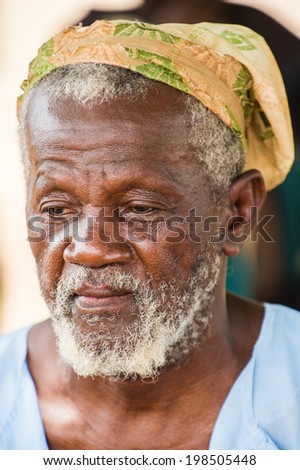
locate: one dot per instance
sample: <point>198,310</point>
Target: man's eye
<point>57,211</point>
<point>142,209</point>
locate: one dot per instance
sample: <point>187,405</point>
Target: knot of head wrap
<point>229,68</point>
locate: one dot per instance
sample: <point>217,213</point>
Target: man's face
<point>113,189</point>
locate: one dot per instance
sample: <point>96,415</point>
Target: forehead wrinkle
<point>81,161</point>
<point>111,182</point>
<point>48,173</point>
<point>70,138</point>
<point>57,148</point>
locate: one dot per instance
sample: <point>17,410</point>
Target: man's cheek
<point>49,257</point>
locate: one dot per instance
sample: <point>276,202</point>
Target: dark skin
<point>126,155</point>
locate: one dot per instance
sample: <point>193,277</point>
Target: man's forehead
<point>154,121</point>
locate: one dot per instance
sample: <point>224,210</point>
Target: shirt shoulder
<point>262,408</point>
<point>13,351</point>
<point>276,377</point>
<point>20,420</point>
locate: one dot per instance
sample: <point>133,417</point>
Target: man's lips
<point>94,299</point>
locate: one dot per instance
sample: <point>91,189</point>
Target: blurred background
<point>264,271</point>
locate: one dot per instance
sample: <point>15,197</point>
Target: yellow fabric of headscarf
<point>229,68</point>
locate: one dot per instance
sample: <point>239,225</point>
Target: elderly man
<point>146,149</point>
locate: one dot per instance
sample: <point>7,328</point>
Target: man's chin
<point>94,354</point>
<point>100,329</point>
<point>132,356</point>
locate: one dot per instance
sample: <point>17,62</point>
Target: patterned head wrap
<point>229,68</point>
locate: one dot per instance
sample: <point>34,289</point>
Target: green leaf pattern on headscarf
<point>236,127</point>
<point>40,66</point>
<point>242,88</point>
<point>238,40</point>
<point>157,67</point>
<point>139,29</point>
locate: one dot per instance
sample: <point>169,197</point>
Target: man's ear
<point>246,195</point>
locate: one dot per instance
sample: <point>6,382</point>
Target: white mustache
<point>112,278</point>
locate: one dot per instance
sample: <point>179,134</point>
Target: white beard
<point>165,332</point>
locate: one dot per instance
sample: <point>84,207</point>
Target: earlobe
<point>246,195</point>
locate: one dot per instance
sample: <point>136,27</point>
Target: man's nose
<point>90,246</point>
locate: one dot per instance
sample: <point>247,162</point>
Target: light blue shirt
<point>261,411</point>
